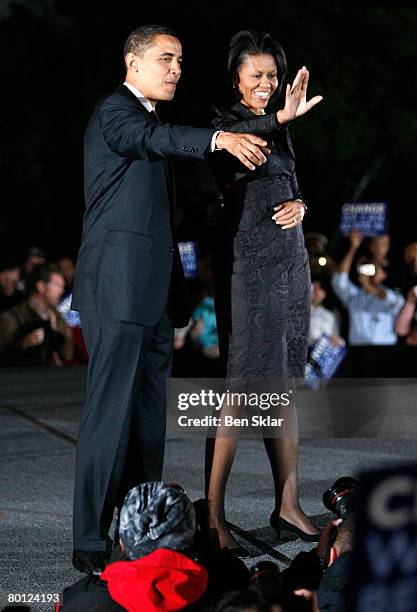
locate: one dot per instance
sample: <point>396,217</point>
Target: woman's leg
<point>220,453</point>
<point>283,457</point>
<point>283,451</point>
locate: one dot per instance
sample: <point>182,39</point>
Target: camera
<point>342,497</point>
<point>367,269</point>
<point>267,579</point>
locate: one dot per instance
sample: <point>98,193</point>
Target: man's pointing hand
<point>249,149</point>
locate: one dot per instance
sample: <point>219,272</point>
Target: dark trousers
<point>122,428</point>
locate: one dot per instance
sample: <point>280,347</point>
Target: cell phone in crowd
<point>367,269</point>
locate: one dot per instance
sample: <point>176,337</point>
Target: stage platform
<point>39,413</point>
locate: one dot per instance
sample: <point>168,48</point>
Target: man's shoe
<point>90,561</point>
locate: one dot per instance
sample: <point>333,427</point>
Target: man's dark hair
<point>346,533</point>
<point>140,39</point>
<point>43,273</point>
<point>249,42</point>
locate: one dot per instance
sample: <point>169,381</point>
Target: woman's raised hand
<point>296,103</point>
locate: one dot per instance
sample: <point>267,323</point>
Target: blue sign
<point>189,258</point>
<point>71,317</point>
<point>385,551</point>
<point>368,218</point>
<point>324,359</point>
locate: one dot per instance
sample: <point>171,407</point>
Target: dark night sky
<point>60,58</point>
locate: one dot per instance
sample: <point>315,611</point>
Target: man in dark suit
<point>128,282</point>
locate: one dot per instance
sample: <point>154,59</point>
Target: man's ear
<point>333,555</point>
<point>132,63</point>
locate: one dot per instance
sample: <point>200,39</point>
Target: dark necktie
<point>155,115</point>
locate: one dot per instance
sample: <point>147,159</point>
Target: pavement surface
<point>39,414</point>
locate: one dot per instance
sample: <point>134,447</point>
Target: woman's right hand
<point>296,98</point>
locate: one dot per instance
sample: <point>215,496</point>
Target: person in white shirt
<point>372,308</point>
<point>322,321</point>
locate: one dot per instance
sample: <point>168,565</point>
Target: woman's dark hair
<point>249,42</point>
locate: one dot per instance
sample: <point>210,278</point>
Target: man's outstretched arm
<point>130,134</point>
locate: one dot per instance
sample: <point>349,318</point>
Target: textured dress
<point>262,277</point>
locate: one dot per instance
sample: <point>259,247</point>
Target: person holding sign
<point>372,308</point>
<point>262,279</point>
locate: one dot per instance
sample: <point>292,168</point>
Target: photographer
<point>372,309</point>
<point>163,560</point>
<point>331,560</point>
<point>33,333</point>
<point>322,575</point>
<point>316,581</point>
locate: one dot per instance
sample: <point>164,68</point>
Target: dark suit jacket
<point>127,250</point>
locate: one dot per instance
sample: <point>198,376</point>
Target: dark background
<point>59,58</point>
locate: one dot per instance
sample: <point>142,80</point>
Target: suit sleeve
<point>261,125</point>
<point>130,134</point>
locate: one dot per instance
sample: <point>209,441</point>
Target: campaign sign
<point>323,361</point>
<point>71,317</point>
<point>368,218</point>
<point>385,552</point>
<point>189,258</point>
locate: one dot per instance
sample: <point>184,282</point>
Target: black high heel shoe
<point>238,551</point>
<point>278,524</point>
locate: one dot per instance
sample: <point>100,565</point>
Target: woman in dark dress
<point>262,276</point>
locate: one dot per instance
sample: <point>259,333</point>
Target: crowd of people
<point>364,300</point>
<point>37,326</point>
